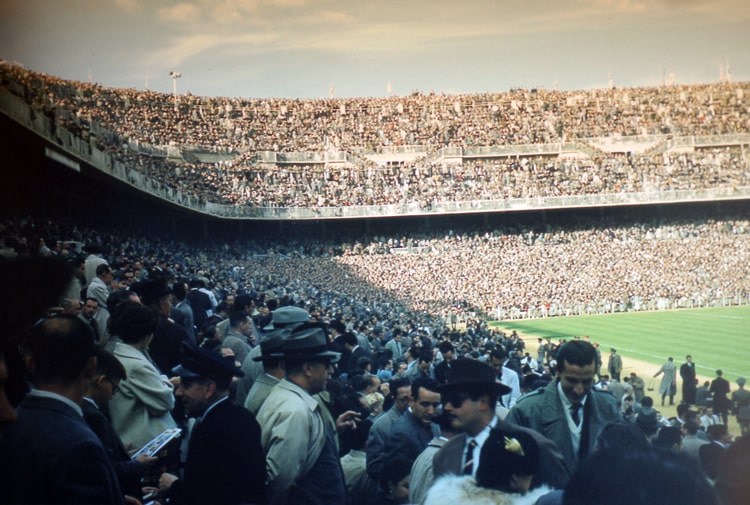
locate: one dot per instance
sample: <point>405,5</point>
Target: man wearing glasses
<point>302,462</point>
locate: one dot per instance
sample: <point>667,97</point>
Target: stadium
<point>433,213</point>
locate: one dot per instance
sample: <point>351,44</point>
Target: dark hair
<point>107,364</point>
<point>425,356</point>
<point>655,477</point>
<point>60,348</point>
<point>103,268</point>
<point>576,352</point>
<point>395,384</point>
<point>424,382</point>
<point>396,469</point>
<point>237,318</point>
<point>349,338</point>
<point>242,301</point>
<point>621,435</point>
<point>505,454</point>
<point>647,401</point>
<point>668,437</point>
<point>445,346</point>
<point>133,322</point>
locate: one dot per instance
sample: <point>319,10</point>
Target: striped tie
<point>469,466</point>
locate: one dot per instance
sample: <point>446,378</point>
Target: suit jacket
<point>165,348</point>
<point>98,290</point>
<point>720,389</point>
<point>140,410</point>
<point>201,304</point>
<point>225,461</point>
<point>543,411</point>
<point>129,472</point>
<point>409,437</point>
<point>552,472</point>
<point>375,448</point>
<point>49,455</point>
<point>182,313</point>
<point>396,348</point>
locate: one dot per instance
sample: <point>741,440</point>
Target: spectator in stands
<point>225,461</point>
<point>49,454</point>
<point>101,387</point>
<point>140,409</point>
<point>568,411</point>
<point>415,428</point>
<point>599,480</point>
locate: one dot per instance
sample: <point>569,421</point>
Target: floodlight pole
<point>175,76</point>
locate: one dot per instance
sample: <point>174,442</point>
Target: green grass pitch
<point>717,338</point>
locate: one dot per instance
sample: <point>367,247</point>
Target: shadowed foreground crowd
<point>289,391</point>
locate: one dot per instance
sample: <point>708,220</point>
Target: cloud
<point>180,13</point>
<point>129,6</point>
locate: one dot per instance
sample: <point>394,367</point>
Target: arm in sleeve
<point>153,390</point>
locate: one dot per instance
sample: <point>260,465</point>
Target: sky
<point>375,48</point>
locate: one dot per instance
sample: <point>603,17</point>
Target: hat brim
<point>497,387</point>
<point>272,355</point>
<point>181,371</point>
<point>333,356</point>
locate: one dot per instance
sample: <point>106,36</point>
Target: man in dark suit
<point>200,302</point>
<point>469,399</point>
<point>687,373</point>
<point>225,463</point>
<point>354,351</point>
<point>50,455</point>
<point>168,337</point>
<point>102,385</point>
<point>720,389</point>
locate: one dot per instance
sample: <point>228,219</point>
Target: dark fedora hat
<point>287,316</point>
<point>272,344</point>
<point>151,290</point>
<point>467,373</point>
<point>309,342</point>
<point>199,362</point>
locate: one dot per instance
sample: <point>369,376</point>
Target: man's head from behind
<point>576,367</point>
<point>59,350</point>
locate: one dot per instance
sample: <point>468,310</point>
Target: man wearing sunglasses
<point>469,400</point>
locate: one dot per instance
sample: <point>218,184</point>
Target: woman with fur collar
<point>507,465</point>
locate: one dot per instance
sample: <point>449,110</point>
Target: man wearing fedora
<point>283,317</point>
<point>568,410</point>
<point>272,354</point>
<point>469,400</point>
<point>225,462</point>
<point>165,346</point>
<point>302,461</point>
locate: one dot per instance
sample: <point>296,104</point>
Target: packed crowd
<point>430,183</point>
<point>507,272</point>
<point>279,402</point>
<point>241,127</point>
<point>293,125</point>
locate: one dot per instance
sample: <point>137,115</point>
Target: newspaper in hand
<point>158,443</point>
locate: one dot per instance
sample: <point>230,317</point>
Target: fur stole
<point>463,490</point>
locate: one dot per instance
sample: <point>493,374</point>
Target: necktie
<point>469,465</point>
<point>574,414</point>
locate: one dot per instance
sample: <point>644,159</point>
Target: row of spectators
<point>430,183</point>
<point>240,128</point>
<point>292,125</point>
<point>510,272</point>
